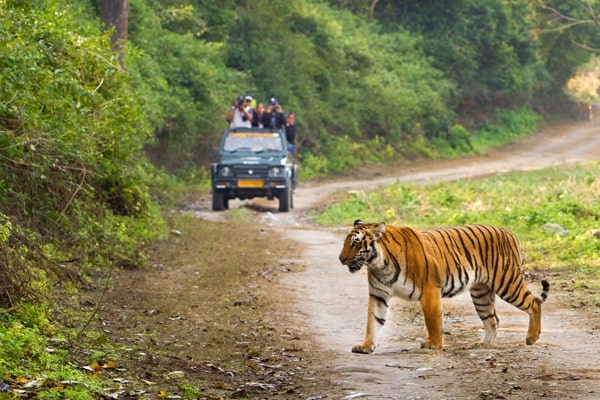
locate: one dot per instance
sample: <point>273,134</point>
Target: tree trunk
<point>113,13</point>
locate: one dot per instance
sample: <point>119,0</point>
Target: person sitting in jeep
<point>240,113</point>
<point>273,117</point>
<point>290,132</point>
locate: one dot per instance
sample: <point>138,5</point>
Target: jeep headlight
<point>275,172</point>
<point>225,171</point>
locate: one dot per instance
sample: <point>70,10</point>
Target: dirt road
<point>331,303</point>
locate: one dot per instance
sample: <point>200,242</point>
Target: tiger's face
<point>359,246</point>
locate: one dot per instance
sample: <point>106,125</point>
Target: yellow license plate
<point>251,183</point>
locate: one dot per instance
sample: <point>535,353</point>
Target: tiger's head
<point>359,246</point>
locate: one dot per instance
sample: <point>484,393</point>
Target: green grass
<point>34,362</point>
<point>520,201</point>
<point>506,126</point>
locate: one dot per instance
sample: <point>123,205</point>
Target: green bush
<point>342,155</point>
<point>506,126</point>
<point>73,133</point>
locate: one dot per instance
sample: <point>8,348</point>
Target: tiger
<point>428,265</point>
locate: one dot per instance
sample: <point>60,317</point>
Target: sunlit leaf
<point>222,385</point>
<point>96,367</point>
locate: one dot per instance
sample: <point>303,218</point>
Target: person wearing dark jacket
<point>273,117</point>
<point>257,115</point>
<point>290,132</point>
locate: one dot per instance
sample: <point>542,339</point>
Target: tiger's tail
<point>545,290</point>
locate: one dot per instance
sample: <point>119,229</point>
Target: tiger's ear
<point>379,229</point>
<point>358,222</point>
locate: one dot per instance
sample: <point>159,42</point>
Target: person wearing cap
<point>250,103</point>
<point>273,117</point>
<point>240,113</point>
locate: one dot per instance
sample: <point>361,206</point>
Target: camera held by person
<point>273,117</point>
<point>241,103</point>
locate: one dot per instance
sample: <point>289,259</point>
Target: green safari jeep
<point>253,162</point>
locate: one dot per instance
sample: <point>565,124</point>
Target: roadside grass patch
<point>506,126</point>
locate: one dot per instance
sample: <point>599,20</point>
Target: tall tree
<point>113,13</point>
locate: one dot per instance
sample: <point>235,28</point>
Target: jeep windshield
<point>256,142</point>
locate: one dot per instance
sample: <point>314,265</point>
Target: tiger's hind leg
<point>519,296</point>
<point>484,300</point>
<point>535,314</point>
<point>535,322</point>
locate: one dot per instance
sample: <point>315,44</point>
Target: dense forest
<point>385,78</point>
<point>93,129</point>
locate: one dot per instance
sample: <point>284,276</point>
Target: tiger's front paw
<point>428,344</point>
<point>363,349</point>
<point>530,339</point>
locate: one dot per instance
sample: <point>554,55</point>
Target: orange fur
<point>425,266</point>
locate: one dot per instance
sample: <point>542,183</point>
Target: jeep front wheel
<point>285,200</point>
<point>218,201</point>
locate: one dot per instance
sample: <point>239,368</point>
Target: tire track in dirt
<point>331,303</point>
